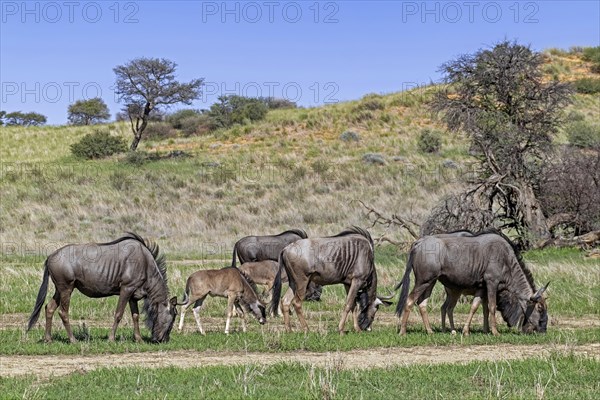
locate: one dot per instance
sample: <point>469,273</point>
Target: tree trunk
<point>533,217</point>
<point>136,140</point>
<point>137,134</point>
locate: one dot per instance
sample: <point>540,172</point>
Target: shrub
<point>139,157</point>
<point>592,54</point>
<point>429,141</point>
<point>159,131</point>
<point>583,134</point>
<point>97,145</point>
<point>350,136</point>
<point>176,119</point>
<point>371,102</point>
<point>587,85</point>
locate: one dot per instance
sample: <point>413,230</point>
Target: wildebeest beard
<point>364,321</point>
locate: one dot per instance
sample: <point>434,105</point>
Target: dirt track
<point>47,366</point>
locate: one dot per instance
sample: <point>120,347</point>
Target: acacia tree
<point>499,98</point>
<point>145,84</point>
<point>24,119</point>
<point>88,112</point>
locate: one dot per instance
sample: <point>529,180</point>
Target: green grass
<point>273,339</point>
<point>552,377</point>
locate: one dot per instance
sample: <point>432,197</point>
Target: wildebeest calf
<point>227,282</point>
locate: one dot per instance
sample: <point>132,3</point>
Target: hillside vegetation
<point>293,169</point>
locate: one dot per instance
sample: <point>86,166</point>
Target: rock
<point>374,158</point>
<point>449,164</point>
<point>350,136</point>
<point>400,159</point>
<point>215,146</point>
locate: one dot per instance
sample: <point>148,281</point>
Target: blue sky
<point>55,52</point>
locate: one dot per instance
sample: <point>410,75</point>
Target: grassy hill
<point>291,170</point>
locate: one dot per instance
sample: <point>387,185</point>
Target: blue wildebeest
<point>129,267</point>
<point>345,258</point>
<point>453,294</point>
<point>268,247</point>
<point>488,261</point>
<point>227,282</point>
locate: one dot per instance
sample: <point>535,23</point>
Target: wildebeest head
<point>161,317</point>
<point>258,310</point>
<point>369,309</point>
<point>536,313</point>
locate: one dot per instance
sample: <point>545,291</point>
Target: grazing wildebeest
<point>129,267</point>
<point>262,273</point>
<point>452,296</point>
<point>260,248</point>
<point>227,282</point>
<point>486,260</point>
<point>345,258</point>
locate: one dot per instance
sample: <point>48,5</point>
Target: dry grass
<point>290,170</point>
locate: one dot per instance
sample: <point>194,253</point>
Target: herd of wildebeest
<point>485,265</point>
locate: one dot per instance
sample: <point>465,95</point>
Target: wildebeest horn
<point>388,297</point>
<point>538,294</point>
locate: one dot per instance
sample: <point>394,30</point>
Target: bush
<point>371,102</point>
<point>583,134</point>
<point>98,145</point>
<point>429,141</point>
<point>139,157</point>
<point>159,131</point>
<point>592,54</point>
<point>587,85</point>
<point>176,119</point>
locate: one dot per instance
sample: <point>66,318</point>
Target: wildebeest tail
<point>234,255</point>
<point>276,290</point>
<point>405,283</point>
<point>39,302</point>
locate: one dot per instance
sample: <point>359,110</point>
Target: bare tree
<point>501,100</point>
<point>145,84</point>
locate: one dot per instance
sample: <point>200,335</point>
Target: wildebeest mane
<point>298,232</point>
<point>355,230</point>
<point>248,279</point>
<point>517,253</point>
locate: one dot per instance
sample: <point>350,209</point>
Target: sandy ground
<point>48,366</point>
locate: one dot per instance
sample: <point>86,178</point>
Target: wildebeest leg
<point>350,304</point>
<point>297,302</point>
<point>486,315</point>
<point>285,308</point>
<point>135,316</point>
<point>423,307</point>
<point>448,308</point>
<point>355,311</point>
<point>63,311</point>
<point>230,305</point>
<point>240,313</point>
<point>492,290</point>
<point>410,301</point>
<point>124,297</point>
<point>474,307</point>
<point>50,309</point>
<point>196,311</point>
